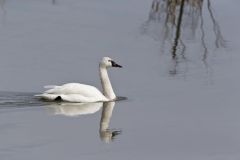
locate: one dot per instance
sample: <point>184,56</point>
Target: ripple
<point>26,99</point>
<point>121,98</point>
<point>19,100</point>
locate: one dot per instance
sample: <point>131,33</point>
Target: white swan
<point>82,93</point>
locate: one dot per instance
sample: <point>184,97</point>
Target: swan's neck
<point>106,84</point>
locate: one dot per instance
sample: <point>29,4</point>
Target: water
<point>180,76</point>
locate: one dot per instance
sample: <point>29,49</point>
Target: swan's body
<point>76,92</point>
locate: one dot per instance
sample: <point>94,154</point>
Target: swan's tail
<point>46,96</point>
<point>47,87</point>
<point>38,95</point>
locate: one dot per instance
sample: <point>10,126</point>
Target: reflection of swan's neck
<point>106,84</point>
<point>106,115</point>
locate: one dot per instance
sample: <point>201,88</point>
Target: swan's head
<point>109,135</point>
<point>108,62</point>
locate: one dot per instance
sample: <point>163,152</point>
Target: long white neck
<point>106,84</point>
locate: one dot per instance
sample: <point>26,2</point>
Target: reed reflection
<point>53,2</point>
<point>2,3</point>
<point>77,109</point>
<point>176,23</point>
<point>3,11</point>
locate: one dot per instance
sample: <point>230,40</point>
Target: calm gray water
<point>180,77</point>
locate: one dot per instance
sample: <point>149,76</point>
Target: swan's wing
<point>75,88</point>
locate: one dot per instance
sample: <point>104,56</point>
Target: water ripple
<point>19,100</point>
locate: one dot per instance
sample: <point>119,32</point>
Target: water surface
<point>180,74</point>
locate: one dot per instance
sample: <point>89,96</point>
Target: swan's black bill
<point>114,64</point>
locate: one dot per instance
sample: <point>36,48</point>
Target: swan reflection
<point>77,109</point>
<point>176,22</point>
<point>106,134</point>
<point>74,109</point>
<point>3,12</point>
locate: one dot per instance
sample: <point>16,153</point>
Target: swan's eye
<point>109,60</point>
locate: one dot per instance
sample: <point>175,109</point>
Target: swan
<point>82,93</point>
